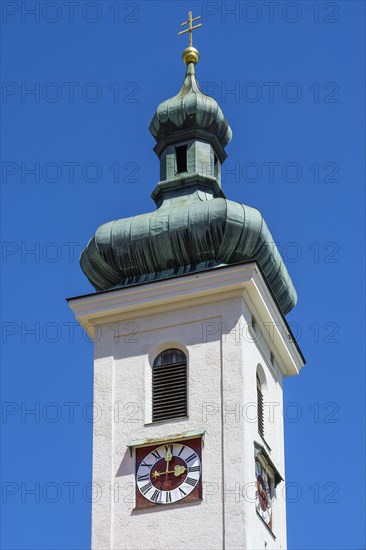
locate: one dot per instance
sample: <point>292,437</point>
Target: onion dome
<point>190,108</point>
<point>191,235</point>
<point>194,227</point>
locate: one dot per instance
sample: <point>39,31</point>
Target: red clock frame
<point>142,452</point>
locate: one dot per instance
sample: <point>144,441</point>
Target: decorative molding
<point>175,437</point>
<point>210,286</point>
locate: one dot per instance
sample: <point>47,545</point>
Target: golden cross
<point>190,28</point>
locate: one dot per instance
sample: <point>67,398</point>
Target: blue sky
<point>289,78</point>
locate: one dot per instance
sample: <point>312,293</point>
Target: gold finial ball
<point>190,55</point>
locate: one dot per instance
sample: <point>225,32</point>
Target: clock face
<point>263,494</point>
<point>168,473</point>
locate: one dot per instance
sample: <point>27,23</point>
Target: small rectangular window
<point>181,158</point>
<point>216,166</point>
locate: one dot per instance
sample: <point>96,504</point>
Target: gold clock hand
<point>168,457</point>
<point>178,470</point>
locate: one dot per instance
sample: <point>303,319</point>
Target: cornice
<point>210,286</point>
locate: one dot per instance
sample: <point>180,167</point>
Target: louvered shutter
<point>260,408</point>
<point>169,385</point>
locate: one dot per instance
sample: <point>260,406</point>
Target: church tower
<point>191,348</point>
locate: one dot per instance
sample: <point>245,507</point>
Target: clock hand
<point>168,457</point>
<point>178,470</point>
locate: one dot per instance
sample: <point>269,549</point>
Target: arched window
<point>260,407</point>
<point>169,385</point>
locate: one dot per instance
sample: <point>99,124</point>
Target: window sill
<point>170,421</point>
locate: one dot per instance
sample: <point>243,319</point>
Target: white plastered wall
<point>222,362</point>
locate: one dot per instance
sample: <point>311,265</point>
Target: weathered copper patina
<point>194,227</point>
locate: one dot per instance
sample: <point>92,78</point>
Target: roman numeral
<point>146,465</point>
<point>146,488</point>
<point>182,492</point>
<point>190,458</point>
<point>194,469</point>
<point>156,454</point>
<point>143,478</point>
<point>191,481</point>
<point>169,448</point>
<point>168,496</point>
<point>155,496</point>
<point>180,452</point>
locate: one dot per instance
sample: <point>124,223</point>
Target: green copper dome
<point>194,227</point>
<point>190,108</point>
